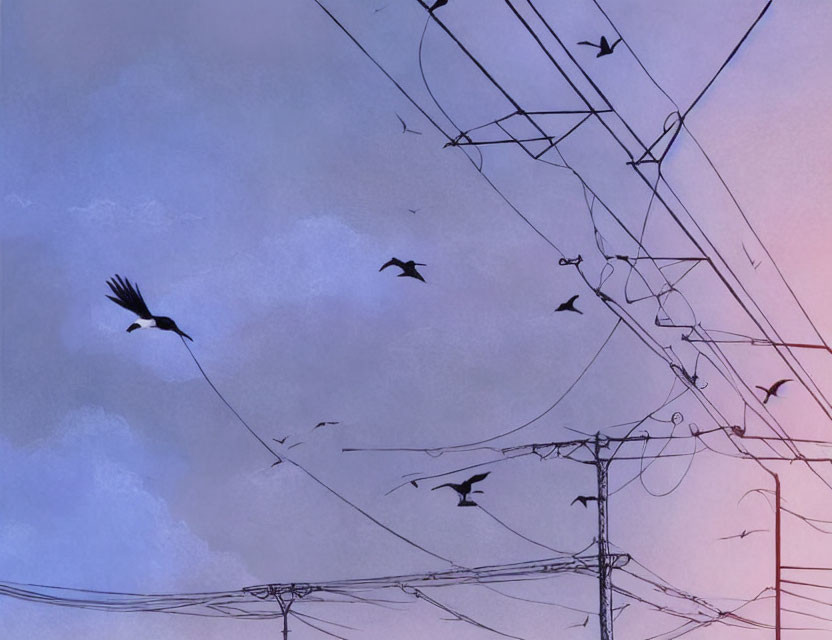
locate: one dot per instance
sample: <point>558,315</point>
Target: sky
<point>244,164</point>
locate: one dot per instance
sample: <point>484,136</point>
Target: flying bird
<point>582,624</point>
<point>130,298</point>
<point>323,424</point>
<point>569,305</point>
<point>744,533</point>
<point>771,391</point>
<point>605,47</point>
<point>408,268</point>
<point>280,441</point>
<point>583,500</point>
<point>464,488</point>
<point>750,259</point>
<point>437,4</point>
<point>413,211</point>
<point>405,129</point>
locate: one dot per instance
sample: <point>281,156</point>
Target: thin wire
<point>307,472</point>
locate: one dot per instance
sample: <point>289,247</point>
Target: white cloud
<point>83,516</point>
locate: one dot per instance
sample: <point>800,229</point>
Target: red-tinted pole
<point>777,566</point>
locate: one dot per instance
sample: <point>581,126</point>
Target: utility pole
<point>777,565</point>
<point>604,573</point>
<point>285,605</point>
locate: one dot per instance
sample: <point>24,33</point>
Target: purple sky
<point>244,164</point>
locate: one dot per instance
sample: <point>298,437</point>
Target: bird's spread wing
<point>393,262</point>
<point>447,484</point>
<point>591,44</point>
<point>730,537</point>
<point>128,296</point>
<point>604,43</point>
<point>478,477</point>
<point>761,388</point>
<point>778,384</point>
<point>404,126</point>
<point>614,44</point>
<point>572,299</point>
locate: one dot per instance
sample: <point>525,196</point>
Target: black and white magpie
<point>130,298</point>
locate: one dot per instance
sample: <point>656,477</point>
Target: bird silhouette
<point>773,389</point>
<point>605,48</point>
<point>130,298</point>
<point>464,489</point>
<point>582,624</point>
<point>413,211</point>
<point>437,4</point>
<point>325,423</point>
<point>405,129</point>
<point>279,441</point>
<point>408,268</point>
<point>569,305</point>
<point>745,532</point>
<point>750,259</point>
<point>583,500</point>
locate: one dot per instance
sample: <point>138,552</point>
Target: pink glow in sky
<point>244,163</point>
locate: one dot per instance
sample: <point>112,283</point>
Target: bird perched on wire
<point>130,298</point>
<point>569,305</point>
<point>583,500</point>
<point>408,268</point>
<point>773,389</point>
<point>605,48</point>
<point>464,489</point>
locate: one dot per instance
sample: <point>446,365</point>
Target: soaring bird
<point>408,268</point>
<point>745,532</point>
<point>130,298</point>
<point>437,4</point>
<point>582,624</point>
<point>773,389</point>
<point>569,305</point>
<point>605,47</point>
<point>750,259</point>
<point>464,488</point>
<point>405,129</point>
<point>583,500</point>
<point>324,423</point>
